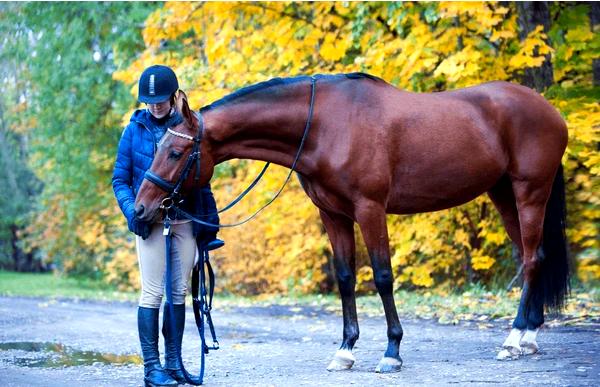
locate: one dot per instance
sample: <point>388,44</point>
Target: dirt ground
<point>57,343</point>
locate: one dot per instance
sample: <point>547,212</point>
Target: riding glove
<point>139,227</point>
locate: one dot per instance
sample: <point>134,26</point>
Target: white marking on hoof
<point>389,364</point>
<point>342,360</point>
<point>512,349</point>
<point>510,353</point>
<point>513,338</point>
<point>528,342</point>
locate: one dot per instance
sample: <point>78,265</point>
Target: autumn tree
<point>68,108</point>
<point>18,184</point>
<point>535,16</point>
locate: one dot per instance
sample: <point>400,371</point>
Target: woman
<point>157,87</point>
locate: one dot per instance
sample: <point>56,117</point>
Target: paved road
<point>56,343</point>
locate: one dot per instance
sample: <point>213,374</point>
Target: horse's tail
<point>553,278</point>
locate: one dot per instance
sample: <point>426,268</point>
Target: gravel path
<point>56,343</point>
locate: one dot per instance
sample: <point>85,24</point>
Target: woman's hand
<point>139,227</point>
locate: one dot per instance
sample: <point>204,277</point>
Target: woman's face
<point>161,109</point>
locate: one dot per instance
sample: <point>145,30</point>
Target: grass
<point>474,305</point>
<point>55,286</point>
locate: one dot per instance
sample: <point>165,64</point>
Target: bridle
<point>174,189</point>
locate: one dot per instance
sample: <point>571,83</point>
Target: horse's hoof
<point>528,343</point>
<point>342,360</point>
<point>509,353</point>
<point>389,364</point>
<point>529,348</point>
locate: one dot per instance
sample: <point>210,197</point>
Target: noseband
<point>174,189</point>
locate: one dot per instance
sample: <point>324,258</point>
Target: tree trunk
<point>532,14</point>
<point>595,23</point>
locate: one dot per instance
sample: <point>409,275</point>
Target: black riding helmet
<point>157,84</point>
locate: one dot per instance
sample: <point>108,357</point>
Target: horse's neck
<point>257,130</point>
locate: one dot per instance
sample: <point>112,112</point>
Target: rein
<point>202,297</point>
<point>202,303</point>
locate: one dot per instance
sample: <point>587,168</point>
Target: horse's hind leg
<point>371,219</point>
<point>531,201</point>
<point>503,198</point>
<point>341,234</point>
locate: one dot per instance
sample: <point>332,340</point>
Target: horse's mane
<point>283,81</point>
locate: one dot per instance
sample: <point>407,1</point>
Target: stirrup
<point>215,244</point>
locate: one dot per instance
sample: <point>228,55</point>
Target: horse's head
<point>181,162</point>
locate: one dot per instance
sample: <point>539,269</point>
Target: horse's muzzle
<point>139,212</point>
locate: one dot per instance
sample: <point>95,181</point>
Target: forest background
<point>69,85</point>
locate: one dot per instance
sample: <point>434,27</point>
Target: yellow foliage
<point>533,50</point>
<point>421,276</point>
<point>589,271</point>
<point>123,270</point>
<point>333,49</point>
<point>462,238</point>
<point>480,261</point>
<point>364,278</point>
<point>461,64</point>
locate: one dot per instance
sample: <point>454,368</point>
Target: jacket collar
<point>142,116</point>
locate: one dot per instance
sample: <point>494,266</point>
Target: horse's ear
<point>183,107</point>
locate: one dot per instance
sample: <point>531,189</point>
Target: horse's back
<point>428,151</point>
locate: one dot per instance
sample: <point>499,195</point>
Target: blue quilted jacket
<point>134,156</point>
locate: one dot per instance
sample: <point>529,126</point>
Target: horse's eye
<point>175,155</point>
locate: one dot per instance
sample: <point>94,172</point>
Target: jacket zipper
<point>152,135</point>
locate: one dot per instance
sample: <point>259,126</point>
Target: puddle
<point>59,355</point>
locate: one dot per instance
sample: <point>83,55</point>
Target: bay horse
<point>374,150</point>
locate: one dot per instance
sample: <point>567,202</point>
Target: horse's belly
<point>440,164</point>
<point>433,193</point>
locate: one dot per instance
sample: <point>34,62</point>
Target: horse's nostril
<point>139,211</point>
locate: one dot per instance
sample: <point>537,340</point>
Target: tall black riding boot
<point>154,374</point>
<point>173,344</point>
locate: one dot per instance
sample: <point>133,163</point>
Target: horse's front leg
<point>341,234</point>
<point>371,219</point>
